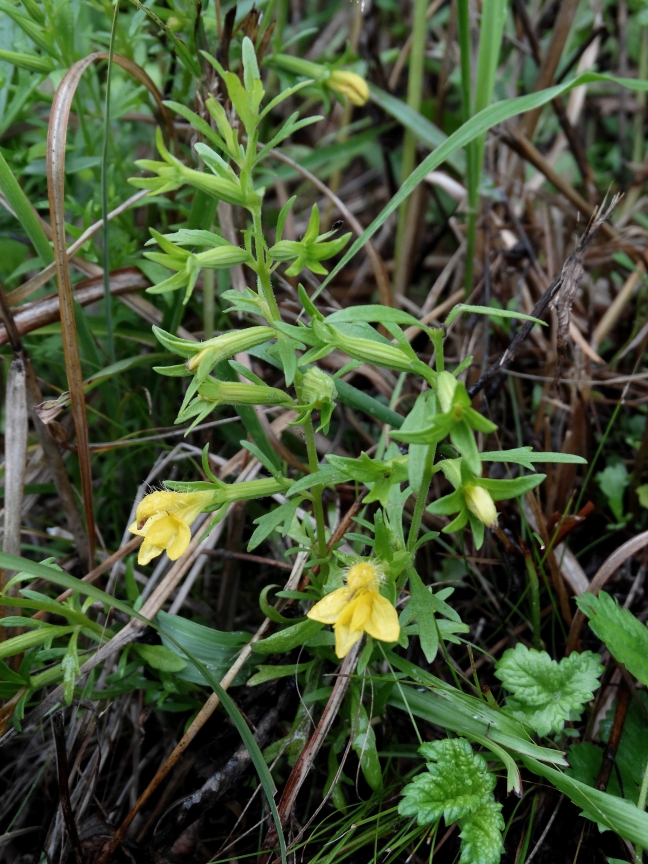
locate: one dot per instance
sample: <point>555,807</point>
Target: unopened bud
<point>480,503</point>
<point>353,86</point>
<point>446,386</point>
<point>318,388</point>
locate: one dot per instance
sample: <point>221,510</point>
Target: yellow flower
<point>480,503</point>
<point>163,520</point>
<point>358,608</point>
<point>353,86</point>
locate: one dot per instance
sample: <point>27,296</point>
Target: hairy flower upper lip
<point>358,608</point>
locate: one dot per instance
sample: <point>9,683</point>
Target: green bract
<point>310,250</point>
<point>172,174</point>
<point>457,421</point>
<point>222,255</point>
<point>546,693</point>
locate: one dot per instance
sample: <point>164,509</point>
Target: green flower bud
<point>203,356</point>
<point>446,386</point>
<point>317,388</point>
<point>172,174</point>
<point>237,393</point>
<point>372,351</point>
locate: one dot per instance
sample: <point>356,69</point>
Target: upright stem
<point>263,272</point>
<point>318,509</point>
<point>534,587</point>
<point>421,498</point>
<point>641,806</point>
<point>414,84</point>
<point>208,304</point>
<point>463,33</point>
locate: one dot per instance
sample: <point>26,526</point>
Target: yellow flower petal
<point>179,544</point>
<point>382,623</point>
<point>345,639</point>
<point>329,607</point>
<point>148,551</point>
<point>361,610</point>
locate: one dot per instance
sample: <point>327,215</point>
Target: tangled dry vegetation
<point>484,654</point>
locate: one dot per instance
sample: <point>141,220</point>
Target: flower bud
<point>353,86</point>
<point>237,393</point>
<point>222,256</point>
<point>317,388</point>
<point>446,386</point>
<point>480,503</point>
<point>228,344</point>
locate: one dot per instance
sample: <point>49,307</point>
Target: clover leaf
<point>546,693</point>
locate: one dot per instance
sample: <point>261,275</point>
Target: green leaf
<point>608,810</point>
<point>70,667</point>
<point>418,418</point>
<point>631,756</point>
<point>500,490</point>
<point>612,482</point>
<point>289,638</point>
<point>423,609</point>
<point>215,649</point>
<point>489,310</point>
<point>624,635</point>
<point>364,742</point>
<point>326,476</point>
<point>459,787</point>
<point>24,212</point>
<point>374,314</point>
<point>159,657</point>
<point>266,524</point>
<point>546,693</point>
<point>271,673</point>
<point>526,456</point>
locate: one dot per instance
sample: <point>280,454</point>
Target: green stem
<point>534,587</point>
<point>463,34</point>
<point>104,195</point>
<point>208,304</point>
<point>318,508</point>
<point>414,86</point>
<point>641,805</point>
<point>262,269</point>
<point>421,498</point>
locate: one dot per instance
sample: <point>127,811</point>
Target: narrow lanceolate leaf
<point>24,212</point>
<point>469,131</point>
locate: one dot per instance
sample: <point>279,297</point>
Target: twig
<point>303,765</point>
<point>64,788</point>
<point>560,292</point>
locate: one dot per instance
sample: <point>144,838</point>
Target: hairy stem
<point>318,508</point>
<point>421,498</point>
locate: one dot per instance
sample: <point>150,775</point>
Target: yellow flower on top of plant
<point>349,84</point>
<point>358,608</point>
<point>163,519</point>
